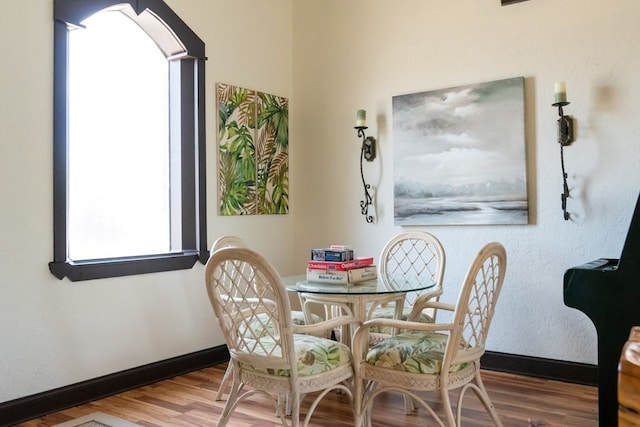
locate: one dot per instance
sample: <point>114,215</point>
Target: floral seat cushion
<point>416,352</point>
<point>314,355</point>
<point>298,318</point>
<point>389,312</point>
<point>260,325</point>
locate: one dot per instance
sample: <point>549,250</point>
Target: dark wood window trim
<point>192,146</point>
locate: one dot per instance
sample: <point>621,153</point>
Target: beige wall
<point>54,333</point>
<point>330,58</point>
<point>359,53</point>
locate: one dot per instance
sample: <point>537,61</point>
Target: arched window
<point>129,140</point>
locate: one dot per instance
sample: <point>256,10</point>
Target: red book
<point>340,265</point>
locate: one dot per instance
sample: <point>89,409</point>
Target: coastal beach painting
<point>459,155</point>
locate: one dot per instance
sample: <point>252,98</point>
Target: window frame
<point>191,132</point>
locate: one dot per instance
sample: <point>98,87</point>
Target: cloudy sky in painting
<point>465,135</point>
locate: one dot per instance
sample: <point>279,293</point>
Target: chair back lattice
<point>412,256</point>
<point>477,301</point>
<point>229,241</point>
<point>252,308</point>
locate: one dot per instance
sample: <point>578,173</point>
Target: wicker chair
<point>439,356</point>
<point>408,256</point>
<point>270,355</point>
<point>226,242</point>
<point>299,317</point>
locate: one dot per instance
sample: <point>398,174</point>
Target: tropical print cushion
<point>298,318</point>
<point>314,355</point>
<point>261,325</point>
<point>417,352</point>
<point>389,312</point>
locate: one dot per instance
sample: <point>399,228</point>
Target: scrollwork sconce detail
<point>566,137</point>
<point>368,153</point>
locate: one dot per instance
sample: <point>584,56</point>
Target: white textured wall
<point>330,58</point>
<point>55,333</point>
<point>358,53</point>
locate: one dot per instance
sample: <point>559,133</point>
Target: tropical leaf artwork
<point>253,152</point>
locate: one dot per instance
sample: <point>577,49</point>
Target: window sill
<point>116,267</point>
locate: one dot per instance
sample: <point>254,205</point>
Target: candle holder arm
<point>368,152</point>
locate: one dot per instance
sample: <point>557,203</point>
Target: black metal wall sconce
<point>368,153</point>
<point>566,136</point>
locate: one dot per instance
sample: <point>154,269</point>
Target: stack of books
<point>337,264</point>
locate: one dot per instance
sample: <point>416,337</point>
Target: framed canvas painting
<point>459,155</point>
<point>253,152</point>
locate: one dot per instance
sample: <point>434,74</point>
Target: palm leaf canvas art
<point>253,147</point>
<point>459,155</point>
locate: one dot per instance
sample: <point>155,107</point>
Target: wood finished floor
<point>188,400</point>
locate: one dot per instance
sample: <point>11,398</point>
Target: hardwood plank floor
<point>188,400</point>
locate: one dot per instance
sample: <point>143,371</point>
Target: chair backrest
<point>228,242</point>
<point>477,303</point>
<point>251,304</point>
<point>412,256</point>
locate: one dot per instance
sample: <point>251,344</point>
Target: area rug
<point>97,419</point>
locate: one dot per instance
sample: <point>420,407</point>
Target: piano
<point>608,292</point>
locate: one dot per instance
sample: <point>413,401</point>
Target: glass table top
<point>377,286</point>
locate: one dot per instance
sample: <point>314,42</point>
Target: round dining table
<point>356,299</point>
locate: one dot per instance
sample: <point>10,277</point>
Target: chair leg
<point>358,396</point>
<point>231,403</point>
<point>484,398</point>
<point>286,403</point>
<point>409,405</point>
<point>446,406</point>
<point>294,401</point>
<point>228,374</point>
<point>366,410</point>
<point>367,415</point>
<point>481,393</point>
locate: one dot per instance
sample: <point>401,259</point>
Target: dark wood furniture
<point>608,292</point>
<point>629,381</point>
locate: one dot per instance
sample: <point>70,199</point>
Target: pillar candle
<point>361,120</point>
<point>560,90</point>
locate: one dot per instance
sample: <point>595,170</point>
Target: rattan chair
<point>299,317</point>
<point>226,242</point>
<point>440,356</point>
<point>270,355</point>
<point>409,256</point>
